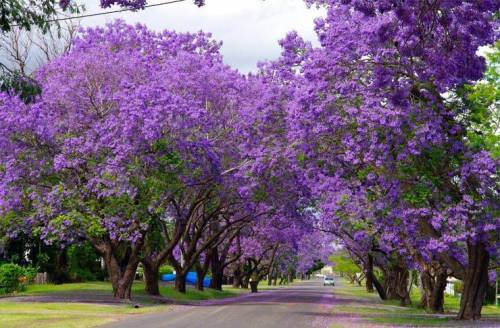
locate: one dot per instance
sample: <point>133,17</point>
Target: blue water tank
<point>191,278</point>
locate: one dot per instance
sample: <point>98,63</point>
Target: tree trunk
<point>199,283</point>
<point>180,282</point>
<point>217,280</point>
<point>427,283</point>
<point>122,282</point>
<point>237,279</point>
<point>152,276</point>
<point>121,277</point>
<point>369,274</point>
<point>433,290</point>
<point>200,276</point>
<point>475,282</point>
<point>244,282</point>
<point>123,289</point>
<point>437,305</point>
<point>270,276</point>
<point>380,289</point>
<point>217,271</point>
<point>237,282</point>
<point>396,284</point>
<point>253,285</point>
<point>60,274</point>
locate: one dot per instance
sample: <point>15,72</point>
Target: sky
<point>249,29</point>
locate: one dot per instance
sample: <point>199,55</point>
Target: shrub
<point>30,273</point>
<point>166,269</point>
<point>83,263</point>
<point>12,278</point>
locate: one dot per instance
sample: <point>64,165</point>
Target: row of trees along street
<point>382,139</point>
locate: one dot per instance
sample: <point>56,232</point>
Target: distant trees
<point>343,264</point>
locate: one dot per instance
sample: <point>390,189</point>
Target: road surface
<point>301,305</point>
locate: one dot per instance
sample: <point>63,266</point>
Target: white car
<point>328,281</point>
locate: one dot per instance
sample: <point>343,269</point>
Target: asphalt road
<point>298,306</point>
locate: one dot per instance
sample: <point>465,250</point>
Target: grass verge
<point>137,290</point>
<point>367,307</point>
<point>84,315</point>
<point>65,315</point>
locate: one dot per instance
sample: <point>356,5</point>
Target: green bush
<point>83,263</point>
<point>458,287</point>
<point>166,269</point>
<point>30,273</point>
<point>12,278</point>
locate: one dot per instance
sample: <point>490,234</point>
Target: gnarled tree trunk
<point>474,275</point>
<point>121,278</point>
<point>396,284</point>
<point>475,282</point>
<point>433,285</point>
<point>121,271</point>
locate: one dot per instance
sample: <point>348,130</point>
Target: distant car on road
<point>319,275</point>
<point>328,281</point>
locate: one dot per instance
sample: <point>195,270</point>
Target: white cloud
<point>249,29</point>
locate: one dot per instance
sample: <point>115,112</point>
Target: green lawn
<point>452,303</point>
<point>45,289</point>
<point>65,315</point>
<point>78,315</point>
<point>137,290</point>
<point>193,294</point>
<point>370,308</point>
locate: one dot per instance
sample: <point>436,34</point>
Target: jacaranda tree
<point>105,171</point>
<point>376,98</point>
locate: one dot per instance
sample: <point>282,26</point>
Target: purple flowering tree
<point>374,98</point>
<point>110,140</point>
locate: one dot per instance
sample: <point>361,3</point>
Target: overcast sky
<point>249,29</point>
